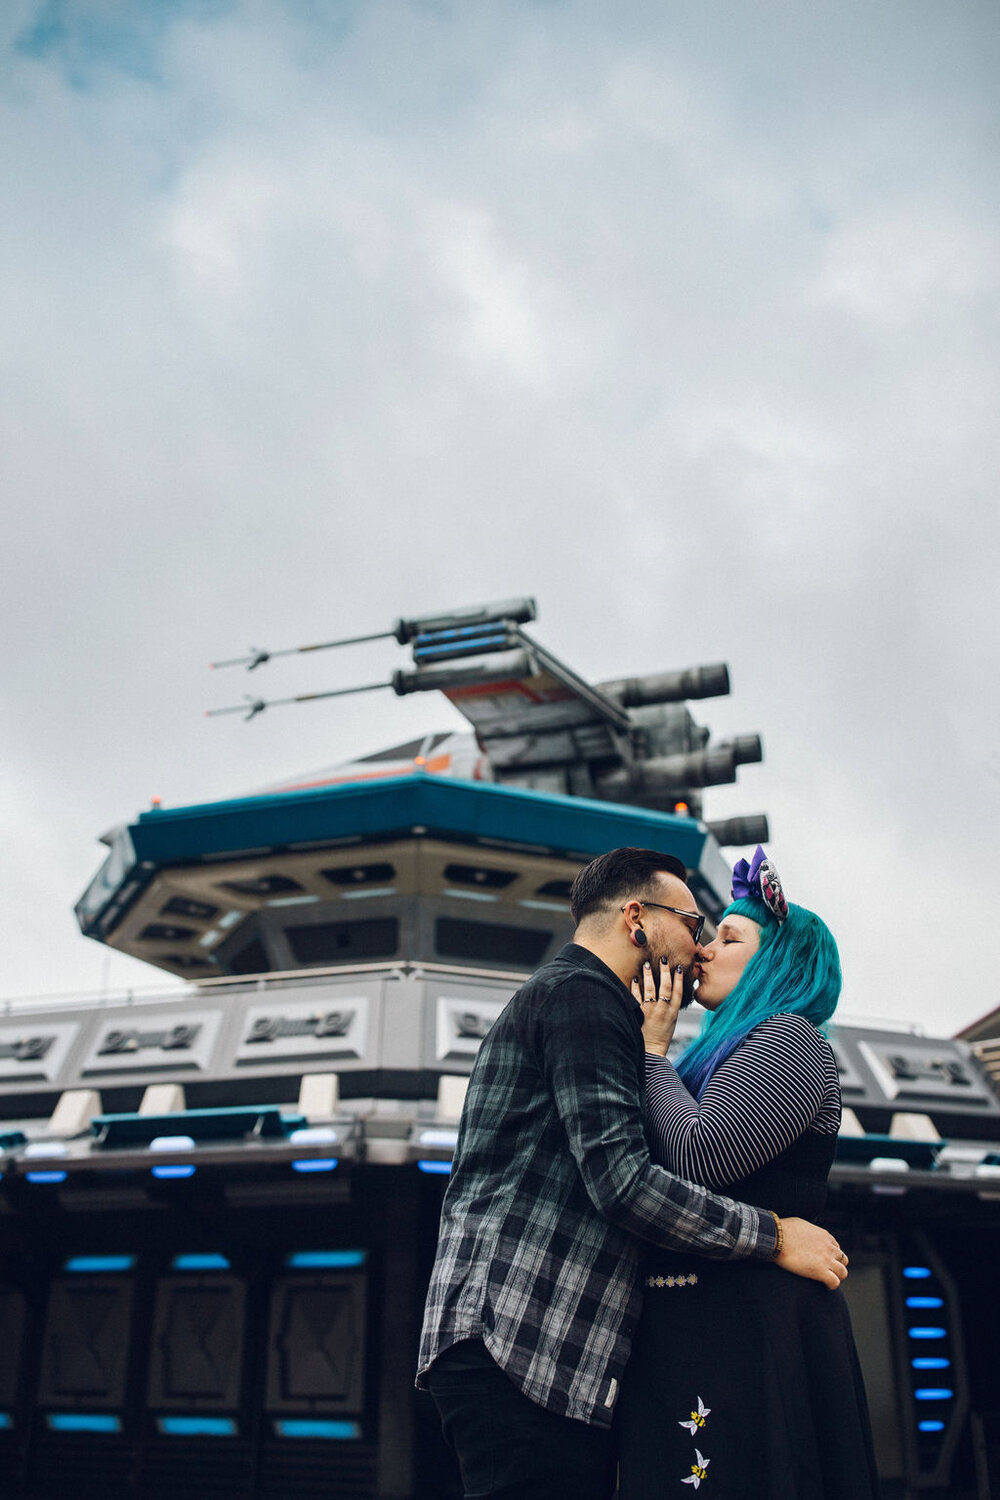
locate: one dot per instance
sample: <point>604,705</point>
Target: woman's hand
<point>659,1011</point>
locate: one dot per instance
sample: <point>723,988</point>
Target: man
<point>535,1289</point>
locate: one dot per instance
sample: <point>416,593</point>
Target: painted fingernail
<point>679,969</point>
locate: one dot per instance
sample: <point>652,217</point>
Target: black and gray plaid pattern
<point>552,1193</point>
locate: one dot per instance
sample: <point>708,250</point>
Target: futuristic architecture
<point>219,1204</point>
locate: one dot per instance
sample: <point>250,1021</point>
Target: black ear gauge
<point>640,937</point>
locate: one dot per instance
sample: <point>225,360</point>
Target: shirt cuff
<point>759,1240</point>
<point>656,1064</point>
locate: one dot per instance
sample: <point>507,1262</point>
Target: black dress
<point>744,1380</point>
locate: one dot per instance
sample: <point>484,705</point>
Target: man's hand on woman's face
<point>660,1006</point>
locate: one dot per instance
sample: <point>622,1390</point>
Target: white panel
<point>852,1085</point>
<point>283,1030</point>
<point>153,1041</point>
<point>74,1112</point>
<point>917,1069</point>
<point>319,1096</point>
<point>461,1025</point>
<point>451,1097</point>
<point>34,1051</point>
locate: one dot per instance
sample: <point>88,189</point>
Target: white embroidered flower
<point>697,1418</point>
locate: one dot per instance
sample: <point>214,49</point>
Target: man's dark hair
<point>618,874</point>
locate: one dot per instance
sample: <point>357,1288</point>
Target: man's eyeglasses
<point>693,916</point>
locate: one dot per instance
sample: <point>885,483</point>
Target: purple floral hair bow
<point>759,881</point>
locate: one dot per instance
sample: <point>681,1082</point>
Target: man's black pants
<point>509,1448</point>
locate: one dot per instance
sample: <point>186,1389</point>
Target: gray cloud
<point>319,315</point>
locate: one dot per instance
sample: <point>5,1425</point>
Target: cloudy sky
<point>682,318</point>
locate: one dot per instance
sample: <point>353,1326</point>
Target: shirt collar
<point>582,958</point>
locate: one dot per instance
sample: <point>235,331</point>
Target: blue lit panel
<point>171,1170</point>
<point>6,1421</point>
<point>64,1421</point>
<point>325,1260</point>
<point>209,1261</point>
<point>315,1164</point>
<point>442,1168</point>
<point>93,1265</point>
<point>933,1413</point>
<point>197,1426</point>
<point>45,1177</point>
<point>313,1427</point>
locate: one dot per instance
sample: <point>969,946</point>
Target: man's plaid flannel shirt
<point>552,1193</point>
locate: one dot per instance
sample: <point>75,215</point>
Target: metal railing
<point>100,999</point>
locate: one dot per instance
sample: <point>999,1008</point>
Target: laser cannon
<point>539,725</point>
<point>669,687</point>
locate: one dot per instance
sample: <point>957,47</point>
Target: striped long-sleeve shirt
<point>781,1081</point>
<point>552,1192</point>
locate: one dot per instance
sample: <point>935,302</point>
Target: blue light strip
<point>483,643</point>
<point>91,1265</point>
<point>441,1167</point>
<point>457,632</point>
<point>174,1169</point>
<point>64,1421</point>
<point>461,634</point>
<point>197,1426</point>
<point>209,1261</point>
<point>313,1427</point>
<point>45,1177</point>
<point>325,1260</point>
<point>315,1164</point>
<point>928,1303</point>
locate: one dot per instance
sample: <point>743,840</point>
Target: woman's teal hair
<point>795,971</point>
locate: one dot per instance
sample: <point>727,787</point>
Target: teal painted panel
<point>464,810</point>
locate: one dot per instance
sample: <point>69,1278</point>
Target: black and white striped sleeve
<point>780,1081</point>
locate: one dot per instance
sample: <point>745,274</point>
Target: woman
<point>744,1378</point>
